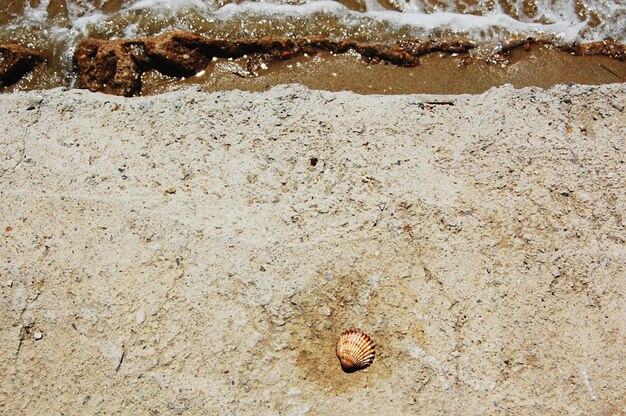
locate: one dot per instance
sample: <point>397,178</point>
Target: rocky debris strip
<point>115,66</point>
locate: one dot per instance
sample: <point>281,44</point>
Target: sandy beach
<point>199,253</point>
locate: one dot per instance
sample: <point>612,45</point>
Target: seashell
<point>355,350</point>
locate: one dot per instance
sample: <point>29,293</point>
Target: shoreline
<point>132,67</point>
<point>437,73</point>
<point>200,253</point>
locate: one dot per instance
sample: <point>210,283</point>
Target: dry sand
<point>197,253</point>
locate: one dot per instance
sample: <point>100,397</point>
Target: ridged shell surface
<point>355,350</point>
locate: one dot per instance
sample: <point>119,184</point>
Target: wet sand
<point>438,73</point>
<point>541,66</point>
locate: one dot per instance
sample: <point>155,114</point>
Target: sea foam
<point>486,22</point>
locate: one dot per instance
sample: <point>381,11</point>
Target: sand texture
<point>198,254</point>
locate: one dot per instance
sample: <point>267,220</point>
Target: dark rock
<point>111,66</point>
<point>609,48</point>
<point>16,61</point>
<point>180,54</point>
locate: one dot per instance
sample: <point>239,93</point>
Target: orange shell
<point>355,350</point>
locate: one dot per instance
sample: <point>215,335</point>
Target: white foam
<point>170,5</point>
<point>233,10</point>
<point>421,23</point>
<point>82,22</point>
<point>475,25</point>
<point>554,18</point>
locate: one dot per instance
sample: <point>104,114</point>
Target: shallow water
<point>63,22</point>
<point>56,26</point>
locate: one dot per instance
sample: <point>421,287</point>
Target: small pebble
<point>140,317</point>
<point>37,335</point>
<point>294,391</point>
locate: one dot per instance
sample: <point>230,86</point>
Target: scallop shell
<point>355,350</point>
